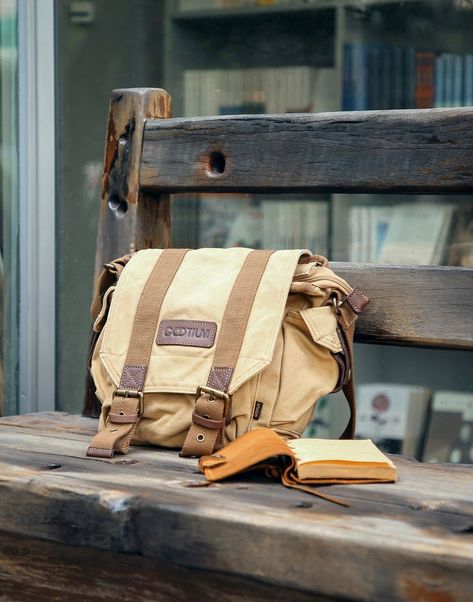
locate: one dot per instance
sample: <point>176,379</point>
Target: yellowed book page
<point>338,451</point>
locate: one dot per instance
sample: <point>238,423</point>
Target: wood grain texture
<point>44,571</point>
<point>408,541</point>
<point>129,219</point>
<point>427,150</point>
<point>425,306</point>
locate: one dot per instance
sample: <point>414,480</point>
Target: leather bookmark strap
<point>206,432</point>
<point>127,403</point>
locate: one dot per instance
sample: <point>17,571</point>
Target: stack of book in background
<point>385,76</point>
<point>407,420</point>
<point>378,76</point>
<point>265,90</point>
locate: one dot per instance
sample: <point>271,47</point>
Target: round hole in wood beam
<point>216,163</point>
<point>117,205</point>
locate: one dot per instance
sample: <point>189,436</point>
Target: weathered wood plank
<point>129,219</point>
<point>427,150</point>
<point>44,571</point>
<point>427,306</point>
<point>406,541</point>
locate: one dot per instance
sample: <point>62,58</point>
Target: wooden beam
<point>129,218</point>
<point>411,151</point>
<point>405,541</point>
<point>31,569</point>
<point>410,305</point>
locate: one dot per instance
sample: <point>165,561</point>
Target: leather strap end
<point>357,300</point>
<point>99,452</point>
<point>207,422</point>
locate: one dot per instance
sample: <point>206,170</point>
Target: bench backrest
<point>149,155</point>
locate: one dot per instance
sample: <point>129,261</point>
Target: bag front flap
<point>191,316</point>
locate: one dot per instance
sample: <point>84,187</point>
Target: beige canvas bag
<point>194,348</point>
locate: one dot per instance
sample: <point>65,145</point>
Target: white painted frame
<point>37,195</point>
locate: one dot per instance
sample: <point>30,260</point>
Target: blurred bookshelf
<point>225,57</point>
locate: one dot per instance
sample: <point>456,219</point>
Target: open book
<point>301,463</point>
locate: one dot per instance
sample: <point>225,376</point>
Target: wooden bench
<point>147,526</point>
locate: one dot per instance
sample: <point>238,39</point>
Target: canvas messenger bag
<point>193,348</point>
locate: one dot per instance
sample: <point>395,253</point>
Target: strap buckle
<point>215,393</point>
<point>127,393</point>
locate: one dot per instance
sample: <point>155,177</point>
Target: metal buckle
<point>218,394</point>
<point>126,393</point>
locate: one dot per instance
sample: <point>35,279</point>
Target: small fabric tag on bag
<point>190,333</point>
<point>258,409</point>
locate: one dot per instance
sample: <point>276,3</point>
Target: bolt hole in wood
<point>52,466</point>
<point>216,163</point>
<point>303,505</point>
<point>117,205</point>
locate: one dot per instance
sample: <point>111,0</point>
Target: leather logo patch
<point>190,333</point>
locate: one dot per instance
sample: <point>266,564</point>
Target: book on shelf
<point>301,462</point>
<point>450,432</point>
<point>368,225</point>
<point>296,89</point>
<point>417,234</point>
<point>293,223</point>
<point>453,80</point>
<point>378,76</point>
<point>424,80</point>
<point>389,76</point>
<point>393,416</point>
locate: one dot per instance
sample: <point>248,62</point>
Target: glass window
<point>8,207</point>
<point>220,57</point>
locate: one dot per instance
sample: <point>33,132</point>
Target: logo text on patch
<point>191,333</point>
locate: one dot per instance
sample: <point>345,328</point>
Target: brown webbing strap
<point>127,403</point>
<point>212,408</point>
<point>349,311</point>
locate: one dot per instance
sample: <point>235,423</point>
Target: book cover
<point>468,83</point>
<point>347,79</point>
<point>417,233</point>
<point>450,431</point>
<point>439,100</point>
<point>458,73</point>
<point>425,83</point>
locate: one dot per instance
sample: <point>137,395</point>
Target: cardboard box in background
<point>393,416</point>
<point>450,431</point>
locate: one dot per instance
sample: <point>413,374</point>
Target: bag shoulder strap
<point>213,405</point>
<point>347,314</point>
<point>127,403</point>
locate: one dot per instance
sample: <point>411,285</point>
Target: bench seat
<point>147,526</point>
